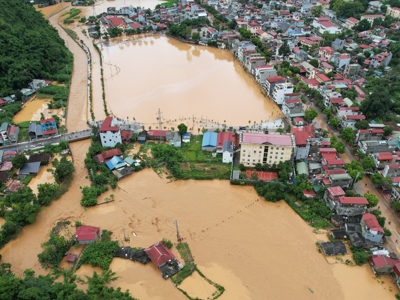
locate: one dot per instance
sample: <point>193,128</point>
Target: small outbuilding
<point>209,141</point>
<point>86,234</point>
<point>334,248</point>
<point>227,152</point>
<point>163,258</point>
<point>71,257</point>
<point>176,140</point>
<point>115,163</point>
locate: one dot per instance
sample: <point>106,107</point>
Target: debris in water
<point>134,234</point>
<point>144,198</point>
<point>311,291</point>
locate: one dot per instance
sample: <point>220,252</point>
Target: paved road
<point>70,137</point>
<point>363,186</point>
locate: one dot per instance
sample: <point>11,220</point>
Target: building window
<point>259,160</point>
<point>110,140</point>
<point>244,150</point>
<point>281,157</point>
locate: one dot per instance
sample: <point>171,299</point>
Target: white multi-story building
<point>110,135</point>
<point>280,90</point>
<point>371,18</point>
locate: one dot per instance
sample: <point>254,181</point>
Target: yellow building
<point>266,148</point>
<point>394,12</point>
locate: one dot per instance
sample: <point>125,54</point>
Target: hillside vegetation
<point>29,47</point>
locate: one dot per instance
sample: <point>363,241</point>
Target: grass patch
<point>23,135</point>
<point>184,251</point>
<point>71,33</point>
<point>303,211</point>
<point>186,271</point>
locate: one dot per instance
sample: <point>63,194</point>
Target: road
<point>69,137</point>
<point>363,186</point>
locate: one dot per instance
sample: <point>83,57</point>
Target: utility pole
<point>159,114</point>
<point>124,232</point>
<point>177,231</point>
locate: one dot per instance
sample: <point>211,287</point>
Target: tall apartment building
<point>394,12</point>
<point>280,90</point>
<point>266,148</point>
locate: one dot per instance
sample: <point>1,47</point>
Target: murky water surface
<point>182,80</point>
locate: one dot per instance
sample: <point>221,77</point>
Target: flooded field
<point>101,5</point>
<point>33,110</point>
<point>255,249</point>
<point>182,80</point>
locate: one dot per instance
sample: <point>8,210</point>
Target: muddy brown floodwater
<point>255,249</point>
<point>181,80</point>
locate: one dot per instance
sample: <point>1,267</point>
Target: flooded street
<point>182,80</point>
<point>255,249</point>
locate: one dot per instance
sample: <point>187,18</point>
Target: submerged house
<point>163,259</point>
<point>86,234</point>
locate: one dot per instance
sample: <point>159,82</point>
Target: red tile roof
<point>354,20</point>
<point>323,77</point>
<point>226,136</point>
<point>126,135</point>
<point>355,117</point>
<point>47,120</point>
<point>86,233</point>
<point>327,150</point>
<point>111,153</point>
<point>301,138</point>
<point>274,79</point>
<point>157,133</point>
<point>159,254</point>
<point>372,223</point>
<point>13,187</point>
<point>335,162</point>
<point>336,191</point>
<point>380,261</point>
<point>327,24</point>
<point>106,126</point>
<point>353,200</point>
<point>335,172</point>
<point>49,132</point>
<point>393,166</point>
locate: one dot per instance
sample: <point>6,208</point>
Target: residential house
<point>350,121</point>
<point>351,22</point>
<point>209,141</point>
<point>266,148</point>
<point>227,136</point>
<point>306,7</point>
<point>12,133</point>
<point>342,61</point>
<point>326,67</point>
<point>369,135</point>
<point>30,168</point>
<point>382,59</point>
<point>253,62</point>
<point>115,163</point>
<point>263,72</point>
<point>293,109</point>
<point>302,145</point>
<point>391,171</point>
<point>163,259</point>
<point>35,131</point>
<point>110,135</point>
<point>382,265</point>
<point>347,111</point>
<point>38,83</point>
<point>328,26</point>
<point>371,230</point>
<point>353,69</point>
<point>332,195</point>
<point>326,52</point>
<point>13,187</point>
<point>49,127</point>
<point>227,152</point>
<point>43,158</point>
<point>343,180</point>
<point>394,12</point>
<point>280,90</point>
<point>322,78</point>
<point>338,44</point>
<point>334,248</point>
<point>176,140</point>
<point>368,147</point>
<point>396,270</point>
<point>310,69</point>
<point>351,206</point>
<point>371,18</point>
<point>382,159</point>
<point>271,82</point>
<point>159,135</point>
<point>86,235</point>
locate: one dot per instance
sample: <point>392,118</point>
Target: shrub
<point>98,254</point>
<point>167,243</point>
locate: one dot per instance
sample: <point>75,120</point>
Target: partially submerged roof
<point>30,168</point>
<point>380,261</point>
<point>86,233</point>
<point>159,254</point>
<point>334,248</point>
<point>111,153</point>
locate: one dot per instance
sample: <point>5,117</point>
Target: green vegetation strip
<point>90,85</point>
<point>102,79</point>
<point>72,15</point>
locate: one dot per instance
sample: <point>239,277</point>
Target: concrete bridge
<point>69,137</point>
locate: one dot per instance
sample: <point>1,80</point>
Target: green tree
<point>327,112</point>
<point>388,129</point>
<point>340,147</point>
<point>196,37</point>
<point>46,193</point>
<point>64,170</point>
<point>377,104</point>
<point>360,154</point>
<point>353,169</point>
<point>314,62</point>
<point>334,121</point>
<point>380,181</point>
<point>19,161</point>
<point>364,124</point>
<point>310,114</point>
<point>368,163</point>
<point>317,11</point>
<point>363,25</point>
<point>284,50</point>
<point>348,135</point>
<point>254,176</point>
<point>182,128</point>
<point>372,200</point>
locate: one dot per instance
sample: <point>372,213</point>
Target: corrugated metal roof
<point>210,139</point>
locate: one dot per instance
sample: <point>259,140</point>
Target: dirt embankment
<point>78,98</point>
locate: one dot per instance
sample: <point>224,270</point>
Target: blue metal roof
<point>210,139</point>
<point>114,162</point>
